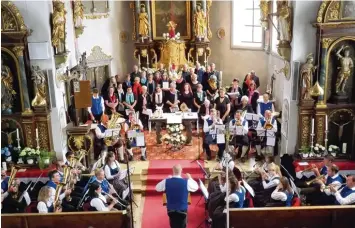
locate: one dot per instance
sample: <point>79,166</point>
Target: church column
<point>138,10</point>
<point>147,6</point>
<point>18,50</point>
<point>322,72</point>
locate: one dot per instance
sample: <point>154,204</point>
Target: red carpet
<point>154,213</point>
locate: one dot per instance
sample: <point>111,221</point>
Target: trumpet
<point>310,169</point>
<point>268,125</point>
<point>238,123</point>
<point>315,179</point>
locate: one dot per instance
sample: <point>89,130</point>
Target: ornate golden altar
<point>173,52</point>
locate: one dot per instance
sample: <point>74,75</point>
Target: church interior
<point>152,114</point>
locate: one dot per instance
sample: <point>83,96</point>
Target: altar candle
<point>188,57</point>
<point>344,148</point>
<point>17,133</point>
<point>147,60</point>
<point>36,133</point>
<point>139,59</point>
<point>326,122</point>
<point>205,60</point>
<point>156,61</point>
<point>312,125</point>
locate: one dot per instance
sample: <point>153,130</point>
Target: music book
<point>270,141</point>
<point>140,139</point>
<point>123,173</point>
<point>112,132</point>
<point>165,85</point>
<point>174,119</point>
<point>251,116</point>
<point>147,112</point>
<point>221,139</point>
<point>131,133</point>
<point>203,189</point>
<point>239,130</point>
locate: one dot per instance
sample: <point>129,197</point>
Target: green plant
<point>305,150</point>
<point>45,158</point>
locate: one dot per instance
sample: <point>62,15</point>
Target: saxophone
<point>268,125</point>
<point>112,123</point>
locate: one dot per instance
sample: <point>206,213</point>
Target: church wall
<point>105,32</point>
<point>234,63</point>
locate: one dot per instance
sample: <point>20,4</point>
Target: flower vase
<point>8,159</point>
<point>20,161</point>
<point>30,161</point>
<point>305,155</point>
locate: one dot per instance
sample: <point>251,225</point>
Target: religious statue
<point>143,22</point>
<point>341,126</point>
<point>346,63</point>
<point>39,79</point>
<point>78,13</point>
<point>200,23</point>
<point>306,72</point>
<point>58,31</point>
<point>171,27</point>
<point>7,91</point>
<point>284,21</point>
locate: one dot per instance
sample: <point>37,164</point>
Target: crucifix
<point>341,126</point>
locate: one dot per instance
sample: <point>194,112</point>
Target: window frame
<point>272,51</point>
<point>236,46</point>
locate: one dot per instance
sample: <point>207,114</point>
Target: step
<point>169,171</point>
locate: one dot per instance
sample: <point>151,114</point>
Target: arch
<point>329,50</point>
<point>11,18</point>
<point>18,74</point>
<point>332,10</point>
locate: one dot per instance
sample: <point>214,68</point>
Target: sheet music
<point>270,141</point>
<point>221,139</point>
<point>165,85</point>
<point>131,133</point>
<point>140,139</point>
<point>112,132</point>
<point>147,112</point>
<point>239,130</point>
<point>123,173</point>
<point>203,189</point>
<point>174,119</point>
<point>251,116</point>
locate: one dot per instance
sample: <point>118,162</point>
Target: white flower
<point>23,153</point>
<point>330,150</point>
<point>317,145</point>
<point>173,38</point>
<point>316,148</point>
<point>178,34</point>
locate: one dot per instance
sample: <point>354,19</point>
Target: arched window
<point>246,29</point>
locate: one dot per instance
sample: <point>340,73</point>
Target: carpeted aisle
<point>154,213</point>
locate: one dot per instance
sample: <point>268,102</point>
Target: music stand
<point>207,175</point>
<point>205,196</point>
<point>268,136</point>
<point>254,118</point>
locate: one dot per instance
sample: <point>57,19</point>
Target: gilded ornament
<point>306,73</point>
<point>7,90</point>
<point>96,16</point>
<point>173,52</point>
<point>200,51</point>
<point>143,29</point>
<point>200,23</point>
<point>135,53</point>
<point>11,18</point>
<point>321,10</point>
<point>221,33</point>
<point>43,135</point>
<point>264,10</point>
<point>320,129</point>
<point>78,13</point>
<point>305,131</point>
<point>78,141</point>
<point>40,99</point>
<point>333,11</point>
<point>326,42</point>
<point>316,90</point>
<point>284,21</point>
<point>134,35</point>
<point>28,130</point>
<point>144,53</point>
<point>209,51</point>
<point>123,37</point>
<point>209,32</point>
<point>58,26</point>
<point>18,50</point>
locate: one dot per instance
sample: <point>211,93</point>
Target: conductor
<point>177,190</point>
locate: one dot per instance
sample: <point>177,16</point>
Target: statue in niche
<point>78,13</point>
<point>143,30</point>
<point>284,18</point>
<point>39,79</point>
<point>307,71</point>
<point>346,63</point>
<point>7,91</point>
<point>200,22</point>
<point>58,32</point>
<point>171,28</point>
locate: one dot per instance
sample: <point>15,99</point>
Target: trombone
<point>315,179</point>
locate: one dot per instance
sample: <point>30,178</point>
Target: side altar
<point>171,32</point>
<point>327,97</point>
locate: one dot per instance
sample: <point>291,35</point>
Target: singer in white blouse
<point>272,179</point>
<point>45,205</point>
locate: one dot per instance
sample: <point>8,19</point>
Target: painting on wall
<point>348,10</point>
<point>165,11</point>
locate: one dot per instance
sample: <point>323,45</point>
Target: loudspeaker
<point>295,70</point>
<point>51,89</point>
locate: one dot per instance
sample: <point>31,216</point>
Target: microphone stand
<point>130,189</point>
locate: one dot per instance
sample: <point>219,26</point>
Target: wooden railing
<point>294,217</point>
<point>65,220</point>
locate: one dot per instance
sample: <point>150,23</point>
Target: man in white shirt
<point>268,123</point>
<point>177,190</point>
<point>346,195</point>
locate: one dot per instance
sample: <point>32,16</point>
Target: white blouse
<point>42,207</point>
<point>272,182</point>
<point>107,170</point>
<point>99,203</point>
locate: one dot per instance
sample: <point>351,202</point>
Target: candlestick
<point>139,60</point>
<point>326,142</point>
<point>147,61</point>
<point>312,142</point>
<point>36,133</point>
<point>312,125</point>
<point>142,39</point>
<point>205,60</point>
<point>326,122</point>
<point>156,61</point>
<point>344,148</point>
<point>17,133</point>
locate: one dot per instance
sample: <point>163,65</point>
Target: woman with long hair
<point>111,101</point>
<point>186,96</point>
<point>44,205</point>
<point>112,173</point>
<point>253,95</point>
<point>194,83</point>
<point>98,202</point>
<point>236,192</point>
<point>222,105</point>
<point>283,193</point>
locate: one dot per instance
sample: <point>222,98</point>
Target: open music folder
<point>123,173</point>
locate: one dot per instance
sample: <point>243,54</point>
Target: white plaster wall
<point>36,16</point>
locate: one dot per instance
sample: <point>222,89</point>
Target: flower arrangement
<point>6,153</point>
<point>333,150</point>
<point>45,159</point>
<point>29,154</point>
<point>319,150</point>
<point>175,37</point>
<point>174,136</point>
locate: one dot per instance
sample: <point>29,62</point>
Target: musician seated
<point>268,123</point>
<point>210,136</point>
<point>272,178</point>
<point>264,105</point>
<point>240,141</point>
<point>97,108</point>
<point>332,179</point>
<point>255,176</point>
<point>100,178</point>
<point>327,163</point>
<point>54,180</point>
<point>227,160</point>
<point>101,161</point>
<point>44,204</point>
<point>112,173</point>
<point>13,201</point>
<point>4,181</point>
<point>100,134</point>
<point>236,193</point>
<point>79,167</point>
<point>133,123</point>
<point>283,194</point>
<point>346,195</point>
<point>98,201</point>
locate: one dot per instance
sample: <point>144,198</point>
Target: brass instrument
<point>68,178</point>
<point>315,179</point>
<point>12,175</point>
<point>184,108</point>
<point>57,202</point>
<point>135,126</point>
<point>268,125</point>
<point>77,160</point>
<point>113,123</point>
<point>238,123</point>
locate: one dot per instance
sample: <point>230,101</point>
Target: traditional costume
<point>240,141</point>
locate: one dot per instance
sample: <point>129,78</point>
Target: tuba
<point>112,123</point>
<point>57,202</point>
<point>268,125</point>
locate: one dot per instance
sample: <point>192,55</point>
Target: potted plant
<point>45,158</point>
<point>304,152</point>
<point>333,150</point>
<point>29,155</point>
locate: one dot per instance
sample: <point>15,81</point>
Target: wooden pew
<point>65,220</point>
<point>294,217</point>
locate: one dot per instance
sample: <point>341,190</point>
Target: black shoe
<point>130,157</point>
<point>143,158</point>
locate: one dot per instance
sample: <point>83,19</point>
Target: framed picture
<point>165,11</point>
